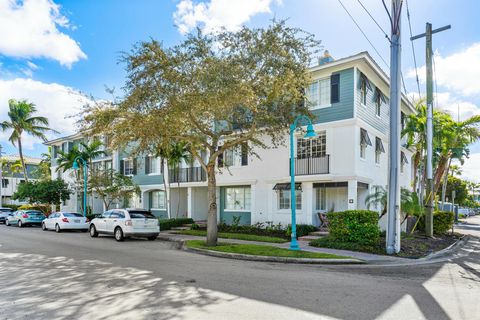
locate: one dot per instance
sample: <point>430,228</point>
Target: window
<point>152,165</point>
<point>237,198</point>
<point>403,120</point>
<point>158,200</point>
<point>108,165</point>
<point>96,166</point>
<point>234,157</point>
<point>363,93</point>
<point>312,148</point>
<point>5,183</point>
<point>284,199</point>
<point>334,88</point>
<point>318,93</point>
<point>321,199</point>
<point>379,149</point>
<point>378,107</point>
<point>364,142</point>
<point>129,167</point>
<point>403,161</point>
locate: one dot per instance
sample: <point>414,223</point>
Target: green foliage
<point>332,243</point>
<point>355,226</point>
<point>46,209</point>
<point>167,224</point>
<point>442,222</point>
<point>14,207</point>
<point>231,235</point>
<point>302,230</point>
<point>43,191</point>
<point>267,229</point>
<point>460,187</point>
<point>194,226</point>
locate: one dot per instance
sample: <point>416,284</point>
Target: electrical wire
<point>413,49</point>
<point>378,25</point>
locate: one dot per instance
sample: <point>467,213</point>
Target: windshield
<point>141,215</point>
<point>5,210</point>
<point>72,215</point>
<point>34,213</point>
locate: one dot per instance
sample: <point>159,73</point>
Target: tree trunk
<point>445,180</point>
<point>178,189</point>
<point>212,232</point>
<point>442,164</point>
<point>20,153</point>
<point>167,193</point>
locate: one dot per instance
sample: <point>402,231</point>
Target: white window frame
<point>323,92</point>
<point>241,196</point>
<point>232,157</point>
<point>321,199</point>
<point>161,206</point>
<point>378,108</point>
<point>312,148</point>
<point>158,163</point>
<point>378,157</point>
<point>363,150</point>
<point>131,168</point>
<point>283,199</point>
<point>363,93</point>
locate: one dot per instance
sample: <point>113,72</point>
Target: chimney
<point>326,58</point>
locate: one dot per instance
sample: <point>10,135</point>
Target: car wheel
<point>44,227</point>
<point>57,228</point>
<point>152,238</point>
<point>93,231</point>
<point>20,224</point>
<point>118,234</point>
<point>7,223</point>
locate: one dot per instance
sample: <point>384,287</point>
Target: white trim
<point>233,210</point>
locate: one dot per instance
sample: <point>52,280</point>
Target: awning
<point>330,184</point>
<point>403,158</point>
<point>379,145</point>
<point>364,80</point>
<point>286,186</point>
<point>379,95</point>
<point>364,138</point>
<point>362,185</point>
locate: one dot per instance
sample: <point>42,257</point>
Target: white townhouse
<point>12,176</point>
<point>334,171</point>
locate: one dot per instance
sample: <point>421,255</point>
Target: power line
<point>378,25</point>
<point>435,77</point>
<point>413,49</point>
<point>364,34</point>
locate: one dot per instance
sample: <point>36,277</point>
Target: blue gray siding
<point>342,109</point>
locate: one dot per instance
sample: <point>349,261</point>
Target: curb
<point>448,250</point>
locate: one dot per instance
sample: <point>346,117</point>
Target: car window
<point>117,214</point>
<point>141,215</point>
<point>72,215</point>
<point>5,210</point>
<point>106,214</point>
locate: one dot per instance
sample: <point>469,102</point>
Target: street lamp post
<point>76,167</point>
<point>293,205</point>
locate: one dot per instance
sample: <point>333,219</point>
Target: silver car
<point>23,218</point>
<point>4,214</point>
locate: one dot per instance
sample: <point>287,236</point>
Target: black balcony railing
<point>309,166</point>
<point>192,174</point>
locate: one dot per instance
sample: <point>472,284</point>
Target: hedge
<point>442,222</point>
<point>167,224</point>
<point>45,208</point>
<point>14,207</point>
<point>354,226</point>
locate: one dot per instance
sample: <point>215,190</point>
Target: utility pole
<point>393,223</point>
<point>429,58</point>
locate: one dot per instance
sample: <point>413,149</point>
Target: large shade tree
<point>22,121</point>
<point>213,92</point>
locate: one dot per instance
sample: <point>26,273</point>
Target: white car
<point>124,223</point>
<point>59,221</point>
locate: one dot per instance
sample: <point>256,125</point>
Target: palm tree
<point>22,121</point>
<point>178,152</point>
<point>378,199</point>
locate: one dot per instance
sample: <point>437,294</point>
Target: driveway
<point>45,275</point>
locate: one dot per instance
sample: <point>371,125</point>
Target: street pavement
<point>45,275</point>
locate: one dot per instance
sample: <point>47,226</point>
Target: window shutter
<point>220,160</point>
<point>134,166</point>
<point>244,154</point>
<point>122,166</point>
<point>334,88</point>
<point>147,165</point>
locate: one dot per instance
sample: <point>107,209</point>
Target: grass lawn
<point>238,236</point>
<point>260,250</point>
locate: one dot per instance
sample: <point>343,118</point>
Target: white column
<point>190,201</point>
<point>307,205</point>
<point>254,215</point>
<point>217,191</point>
<point>352,195</point>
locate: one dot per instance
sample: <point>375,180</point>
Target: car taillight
<point>65,220</point>
<point>128,222</point>
<point>25,215</point>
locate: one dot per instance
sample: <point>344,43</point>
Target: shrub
<point>354,226</point>
<point>442,222</point>
<point>45,208</point>
<point>302,230</point>
<point>194,226</point>
<point>167,224</point>
<point>267,229</point>
<point>14,207</point>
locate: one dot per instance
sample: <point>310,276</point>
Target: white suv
<point>124,223</point>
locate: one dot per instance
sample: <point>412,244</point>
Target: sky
<point>59,54</point>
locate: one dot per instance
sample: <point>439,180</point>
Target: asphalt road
<point>44,275</point>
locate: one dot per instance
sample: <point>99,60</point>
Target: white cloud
<point>29,29</point>
<point>458,72</point>
<point>471,168</point>
<point>215,14</point>
<point>457,108</point>
<point>56,102</point>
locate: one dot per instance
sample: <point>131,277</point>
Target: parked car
<point>59,221</point>
<point>23,218</point>
<point>124,223</point>
<point>4,214</point>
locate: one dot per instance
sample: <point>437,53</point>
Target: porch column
<point>308,204</point>
<point>254,216</point>
<point>352,195</point>
<point>190,200</point>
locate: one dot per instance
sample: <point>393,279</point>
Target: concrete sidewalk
<point>367,257</point>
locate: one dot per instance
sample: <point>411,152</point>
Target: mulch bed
<point>418,245</point>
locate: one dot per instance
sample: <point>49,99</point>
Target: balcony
<point>310,166</point>
<point>192,174</point>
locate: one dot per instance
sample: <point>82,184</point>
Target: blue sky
<point>51,50</point>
